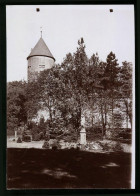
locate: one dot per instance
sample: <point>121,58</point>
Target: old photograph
<point>70,96</point>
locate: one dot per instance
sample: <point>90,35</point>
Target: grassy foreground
<point>38,168</point>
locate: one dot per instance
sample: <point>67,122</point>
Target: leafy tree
<point>94,83</point>
<point>126,90</point>
<point>112,83</point>
<point>118,119</point>
<point>16,98</point>
<point>42,125</point>
<point>112,71</point>
<point>32,105</point>
<point>66,91</point>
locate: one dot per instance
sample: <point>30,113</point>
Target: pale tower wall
<point>37,64</point>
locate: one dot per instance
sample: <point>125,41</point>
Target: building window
<point>41,66</point>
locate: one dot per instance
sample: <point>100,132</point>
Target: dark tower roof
<point>41,49</point>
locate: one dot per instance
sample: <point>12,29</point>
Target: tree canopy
<point>79,86</point>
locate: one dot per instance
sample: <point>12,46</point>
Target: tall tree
<point>94,85</point>
<point>16,98</point>
<point>80,78</point>
<point>126,90</point>
<point>111,74</point>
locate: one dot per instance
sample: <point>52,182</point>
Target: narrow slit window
<point>41,66</point>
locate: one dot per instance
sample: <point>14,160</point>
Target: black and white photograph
<point>70,97</point>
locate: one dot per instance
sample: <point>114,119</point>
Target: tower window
<point>41,66</point>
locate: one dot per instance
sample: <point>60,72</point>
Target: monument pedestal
<point>15,136</point>
<point>83,136</point>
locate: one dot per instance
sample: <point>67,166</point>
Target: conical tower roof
<point>41,49</point>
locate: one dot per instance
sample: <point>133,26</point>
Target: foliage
<point>26,138</point>
<point>46,145</point>
<point>126,90</point>
<point>38,136</point>
<point>118,147</point>
<point>19,140</point>
<point>78,86</point>
<point>111,146</point>
<point>16,99</point>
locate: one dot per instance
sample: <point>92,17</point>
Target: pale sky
<point>62,26</point>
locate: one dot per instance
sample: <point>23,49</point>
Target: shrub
<point>26,138</point>
<point>72,148</point>
<point>31,125</point>
<point>117,147</point>
<point>10,132</point>
<point>53,143</point>
<point>113,146</point>
<point>77,148</point>
<point>47,137</point>
<point>52,136</point>
<point>83,147</point>
<point>19,140</point>
<point>35,130</point>
<point>46,145</point>
<point>36,137</point>
<point>90,146</point>
<point>54,147</point>
<point>104,146</point>
<point>95,130</point>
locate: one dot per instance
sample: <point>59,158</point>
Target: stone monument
<point>83,131</point>
<point>15,136</point>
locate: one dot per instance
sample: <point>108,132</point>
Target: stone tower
<point>39,59</point>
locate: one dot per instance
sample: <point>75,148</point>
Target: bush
<point>31,125</point>
<point>19,140</point>
<point>90,146</point>
<point>104,146</point>
<point>113,146</point>
<point>38,136</point>
<point>95,130</point>
<point>26,138</point>
<point>54,148</point>
<point>83,147</point>
<point>117,147</point>
<point>46,145</point>
<point>119,133</point>
<point>35,130</point>
<point>47,137</point>
<point>77,148</point>
<point>53,143</point>
<point>52,136</point>
<point>10,132</point>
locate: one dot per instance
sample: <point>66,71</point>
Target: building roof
<point>41,49</point>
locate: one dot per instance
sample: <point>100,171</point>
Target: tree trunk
<point>50,113</point>
<point>102,117</point>
<point>105,121</point>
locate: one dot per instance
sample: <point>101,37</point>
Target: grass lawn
<point>38,168</point>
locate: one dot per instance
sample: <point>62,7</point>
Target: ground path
<point>41,168</point>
